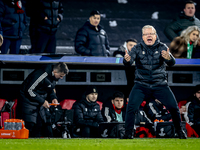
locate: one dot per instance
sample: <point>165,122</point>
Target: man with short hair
<point>91,39</point>
<point>184,20</point>
<point>116,111</point>
<point>151,57</point>
<point>37,90</point>
<point>87,113</point>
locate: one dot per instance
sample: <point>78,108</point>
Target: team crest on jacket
<point>143,52</point>
<point>156,52</point>
<point>102,32</point>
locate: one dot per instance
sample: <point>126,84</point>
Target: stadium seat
<point>2,102</point>
<point>181,103</point>
<point>13,110</point>
<point>67,103</point>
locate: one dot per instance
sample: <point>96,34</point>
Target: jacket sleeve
<point>81,42</point>
<point>106,114</point>
<point>191,114</point>
<point>171,30</point>
<point>133,57</point>
<point>99,117</point>
<point>35,81</point>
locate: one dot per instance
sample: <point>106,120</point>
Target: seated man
<point>87,114</point>
<point>116,111</point>
<point>194,110</point>
<point>156,110</point>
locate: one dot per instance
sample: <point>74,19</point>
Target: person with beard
<point>91,39</point>
<point>193,110</point>
<point>151,57</point>
<point>87,113</point>
<point>184,20</point>
<point>12,25</point>
<point>37,90</point>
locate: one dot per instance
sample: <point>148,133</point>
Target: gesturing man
<point>150,56</point>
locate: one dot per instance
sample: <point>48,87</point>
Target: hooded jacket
<point>12,24</point>
<point>150,66</point>
<point>37,87</point>
<point>175,28</point>
<point>87,113</point>
<point>92,42</point>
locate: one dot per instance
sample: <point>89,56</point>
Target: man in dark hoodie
<point>184,20</point>
<point>37,90</point>
<point>91,39</point>
<point>151,57</point>
<point>87,113</point>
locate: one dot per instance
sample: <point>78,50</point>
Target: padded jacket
<point>37,87</point>
<point>150,66</point>
<point>174,28</point>
<point>37,10</point>
<point>87,114</point>
<point>92,42</point>
<point>194,112</point>
<point>12,24</point>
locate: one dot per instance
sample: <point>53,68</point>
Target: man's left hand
<point>165,54</point>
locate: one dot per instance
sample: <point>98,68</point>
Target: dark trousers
<point>87,132</point>
<point>162,93</point>
<point>13,44</point>
<point>44,43</point>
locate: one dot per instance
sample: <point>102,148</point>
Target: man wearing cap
<point>87,113</point>
<point>91,39</point>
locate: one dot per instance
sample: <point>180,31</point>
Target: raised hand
<point>165,54</point>
<point>127,57</point>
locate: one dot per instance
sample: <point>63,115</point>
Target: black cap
<point>94,12</point>
<point>91,89</point>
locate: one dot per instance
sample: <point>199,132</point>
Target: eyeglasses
<point>148,34</point>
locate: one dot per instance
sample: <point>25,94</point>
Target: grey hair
<point>147,27</point>
<point>186,34</point>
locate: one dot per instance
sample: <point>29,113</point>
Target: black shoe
<point>127,136</point>
<point>182,134</point>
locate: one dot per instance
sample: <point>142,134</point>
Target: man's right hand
<point>46,104</point>
<point>127,57</point>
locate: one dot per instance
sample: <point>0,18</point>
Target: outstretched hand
<point>165,54</point>
<point>127,57</point>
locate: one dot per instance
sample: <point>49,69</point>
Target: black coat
<point>174,28</point>
<point>37,10</point>
<point>12,24</point>
<point>150,66</point>
<point>90,42</point>
<point>37,87</point>
<point>87,114</point>
<point>194,112</point>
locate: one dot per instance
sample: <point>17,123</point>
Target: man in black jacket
<point>35,92</point>
<point>151,57</point>
<point>194,110</point>
<point>184,20</point>
<point>91,39</point>
<point>87,113</point>
<point>45,17</point>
